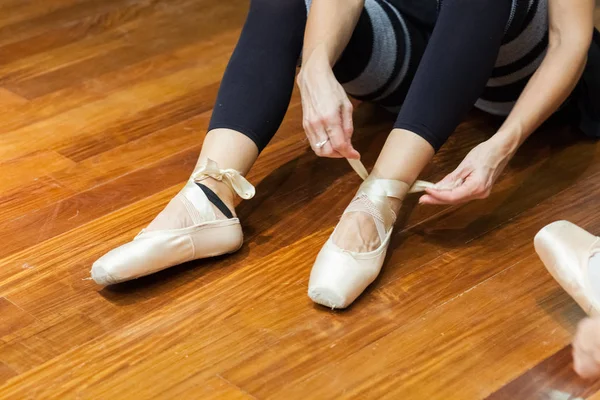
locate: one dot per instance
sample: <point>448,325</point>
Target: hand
<point>474,177</point>
<point>586,349</point>
<point>327,112</point>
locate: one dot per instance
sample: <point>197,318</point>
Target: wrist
<point>506,142</point>
<point>317,56</point>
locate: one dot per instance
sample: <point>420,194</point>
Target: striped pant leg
<point>382,55</point>
<point>522,52</point>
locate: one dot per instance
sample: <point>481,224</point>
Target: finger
<point>339,141</point>
<point>316,135</point>
<point>308,124</point>
<point>430,200</point>
<point>327,149</point>
<point>328,152</point>
<point>348,127</point>
<point>453,179</point>
<point>347,122</point>
<point>341,144</point>
<point>458,195</point>
<point>585,366</point>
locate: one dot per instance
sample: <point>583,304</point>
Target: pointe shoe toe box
<point>153,251</point>
<point>142,256</point>
<point>339,277</point>
<point>565,249</point>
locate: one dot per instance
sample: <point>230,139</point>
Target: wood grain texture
<point>104,106</point>
<point>552,378</point>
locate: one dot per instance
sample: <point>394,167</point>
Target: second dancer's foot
<point>572,256</point>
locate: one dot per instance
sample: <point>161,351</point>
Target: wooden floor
<point>103,107</point>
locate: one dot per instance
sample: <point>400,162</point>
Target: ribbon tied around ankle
<point>378,190</point>
<point>359,168</point>
<point>232,178</point>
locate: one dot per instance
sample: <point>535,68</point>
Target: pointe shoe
<point>566,249</point>
<point>153,251</point>
<point>339,276</point>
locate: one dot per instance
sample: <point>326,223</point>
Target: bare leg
<point>252,100</point>
<point>217,147</point>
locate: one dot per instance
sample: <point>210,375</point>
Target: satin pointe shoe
<point>566,249</point>
<point>154,250</point>
<point>339,276</point>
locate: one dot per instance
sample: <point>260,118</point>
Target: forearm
<point>329,28</point>
<point>549,87</point>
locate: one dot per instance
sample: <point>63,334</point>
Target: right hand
<point>327,112</point>
<point>586,348</point>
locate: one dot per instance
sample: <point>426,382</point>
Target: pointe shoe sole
<point>565,250</point>
<point>153,251</point>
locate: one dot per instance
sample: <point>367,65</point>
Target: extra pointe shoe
<point>155,250</point>
<point>565,250</point>
<point>339,276</point>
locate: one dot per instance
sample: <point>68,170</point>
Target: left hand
<point>474,177</point>
<point>586,348</point>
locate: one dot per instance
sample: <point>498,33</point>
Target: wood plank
<point>292,293</point>
<point>474,334</point>
<point>14,11</point>
<point>595,396</point>
<point>32,196</point>
<point>61,34</point>
<point>12,317</point>
<point>35,26</point>
<point>551,379</point>
<point>122,92</point>
<point>425,283</point>
<point>6,373</point>
<point>119,113</point>
<point>23,170</point>
<point>38,74</point>
<point>210,388</point>
<point>188,31</point>
<point>8,98</point>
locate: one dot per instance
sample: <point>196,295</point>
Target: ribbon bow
<point>230,177</point>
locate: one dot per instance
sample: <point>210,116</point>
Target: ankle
<point>394,203</point>
<point>223,191</point>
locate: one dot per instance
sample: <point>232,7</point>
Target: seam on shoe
<point>193,246</point>
<point>221,223</point>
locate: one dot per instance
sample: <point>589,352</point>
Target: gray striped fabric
<point>519,56</point>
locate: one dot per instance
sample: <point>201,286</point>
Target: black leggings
<point>456,59</point>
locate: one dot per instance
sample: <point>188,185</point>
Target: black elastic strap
<point>213,198</point>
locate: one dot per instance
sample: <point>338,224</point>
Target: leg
<point>253,97</point>
<point>452,73</point>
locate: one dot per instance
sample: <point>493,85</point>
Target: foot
<point>571,255</point>
<point>198,223</point>
<point>180,212</point>
<point>357,229</point>
<point>352,258</point>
